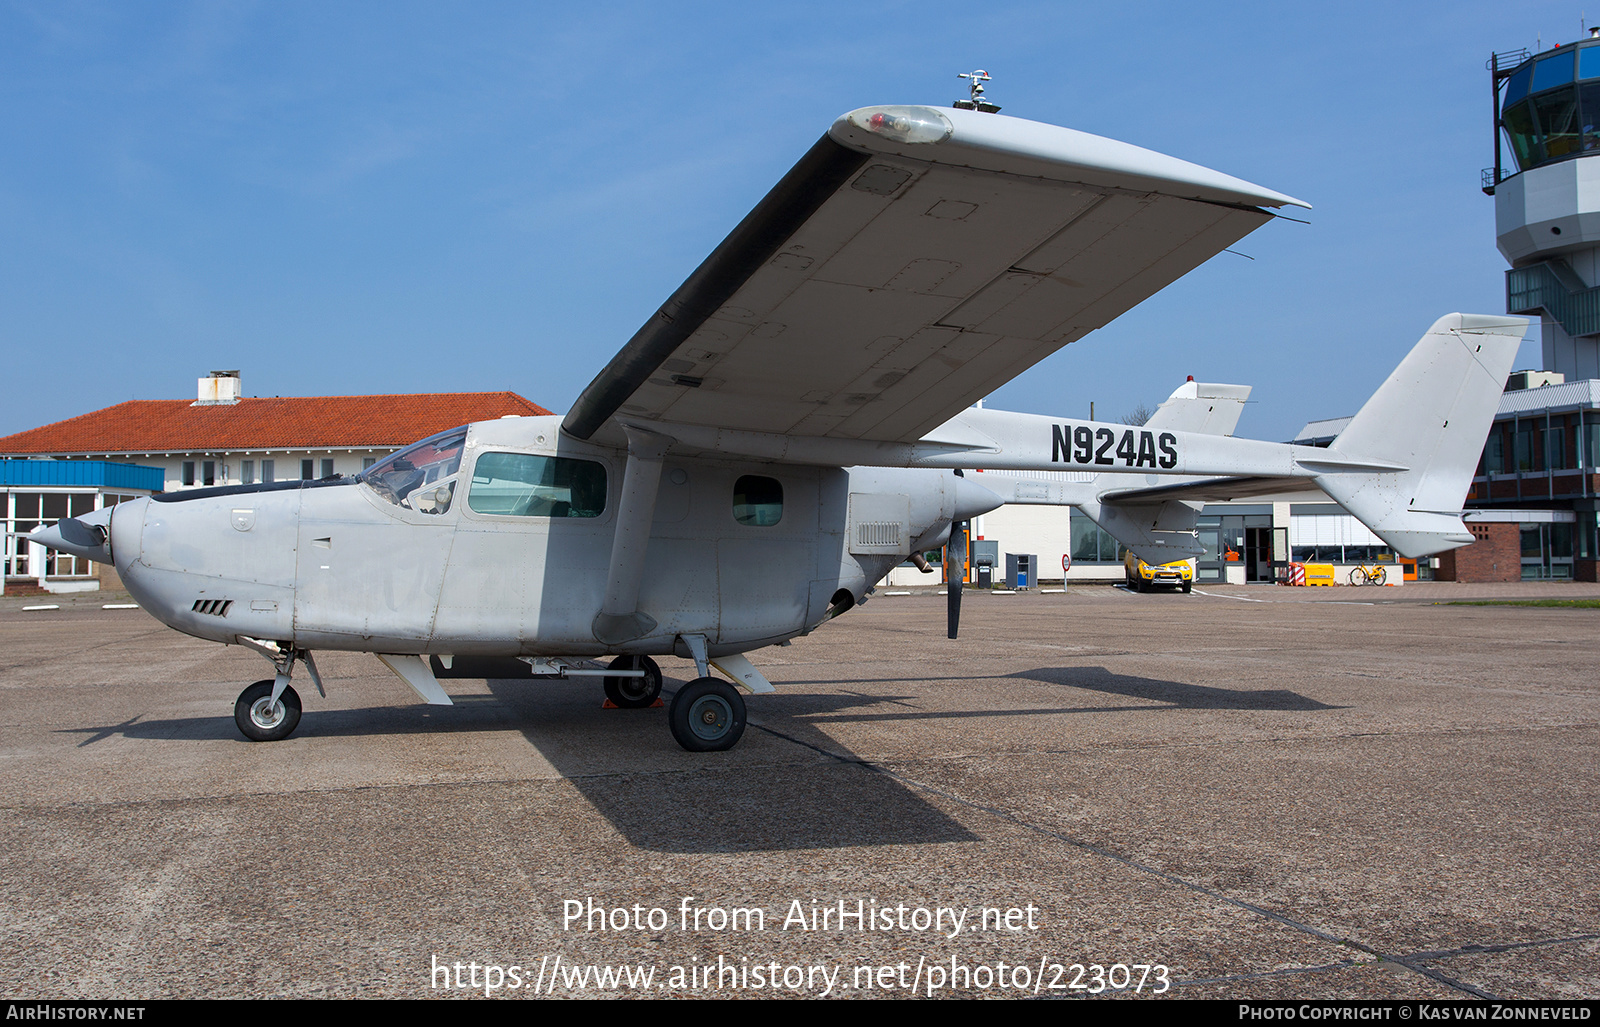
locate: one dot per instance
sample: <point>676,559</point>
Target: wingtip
<point>1000,142</point>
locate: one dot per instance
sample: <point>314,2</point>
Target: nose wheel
<point>707,715</point>
<point>261,719</point>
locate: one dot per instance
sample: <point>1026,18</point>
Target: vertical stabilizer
<point>1206,408</point>
<point>1431,417</point>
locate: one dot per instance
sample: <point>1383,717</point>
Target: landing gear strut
<point>707,715</point>
<point>269,710</point>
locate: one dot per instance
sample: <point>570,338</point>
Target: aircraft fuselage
<point>507,569</point>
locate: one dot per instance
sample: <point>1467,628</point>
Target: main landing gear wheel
<point>260,718</point>
<point>634,693</point>
<point>707,715</point>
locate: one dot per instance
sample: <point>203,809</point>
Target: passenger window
<point>757,501</point>
<point>523,485</point>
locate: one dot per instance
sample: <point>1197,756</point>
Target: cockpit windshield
<point>421,476</point>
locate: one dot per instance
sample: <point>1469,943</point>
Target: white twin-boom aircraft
<point>792,423</point>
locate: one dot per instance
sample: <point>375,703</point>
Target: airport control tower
<point>1547,210</point>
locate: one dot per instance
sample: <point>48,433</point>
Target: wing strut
<point>619,619</point>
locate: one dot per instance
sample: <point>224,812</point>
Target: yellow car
<point>1143,577</point>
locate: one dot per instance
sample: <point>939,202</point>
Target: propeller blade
<point>955,573</point>
<point>87,536</point>
<point>81,534</point>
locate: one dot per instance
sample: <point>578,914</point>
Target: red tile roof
<point>287,423</point>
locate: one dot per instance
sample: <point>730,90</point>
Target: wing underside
<point>872,295</point>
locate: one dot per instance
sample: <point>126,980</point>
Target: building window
<point>1555,452</point>
<point>1091,543</point>
<point>247,472</point>
<point>1547,551</point>
<point>1527,446</point>
<point>188,472</point>
<point>327,468</point>
<point>266,471</point>
<point>757,501</point>
<point>22,512</point>
<point>1494,454</point>
<point>208,472</point>
<point>308,470</point>
<point>368,461</point>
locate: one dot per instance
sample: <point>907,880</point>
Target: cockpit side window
<point>525,485</point>
<point>421,476</point>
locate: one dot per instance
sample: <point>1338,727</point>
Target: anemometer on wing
<point>977,102</point>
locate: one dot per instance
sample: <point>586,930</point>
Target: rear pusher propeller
<point>955,572</point>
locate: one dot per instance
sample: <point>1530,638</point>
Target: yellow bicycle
<point>1373,575</point>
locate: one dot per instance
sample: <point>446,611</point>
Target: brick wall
<point>1496,555</point>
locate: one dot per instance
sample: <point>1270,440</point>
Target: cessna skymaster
<point>792,423</point>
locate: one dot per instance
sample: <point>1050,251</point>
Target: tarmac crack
<point>1411,963</point>
<point>1475,950</point>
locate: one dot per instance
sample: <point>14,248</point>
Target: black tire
<point>1187,585</point>
<point>257,722</point>
<point>1380,577</point>
<point>1358,576</point>
<point>634,693</point>
<point>707,715</point>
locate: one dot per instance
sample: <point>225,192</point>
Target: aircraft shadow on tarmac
<point>1177,694</point>
<point>1173,695</point>
<point>668,801</point>
<point>731,803</point>
<point>672,801</point>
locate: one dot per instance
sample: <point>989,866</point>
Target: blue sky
<point>343,198</point>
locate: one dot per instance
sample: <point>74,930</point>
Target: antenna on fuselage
<point>977,102</point>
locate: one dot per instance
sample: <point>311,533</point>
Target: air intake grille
<point>878,533</point>
<point>215,607</point>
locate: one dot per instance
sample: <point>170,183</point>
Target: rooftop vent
<point>218,388</point>
<point>1520,380</point>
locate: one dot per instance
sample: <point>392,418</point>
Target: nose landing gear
<point>264,719</point>
<point>269,711</point>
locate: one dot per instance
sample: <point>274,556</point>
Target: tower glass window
<point>1551,106</point>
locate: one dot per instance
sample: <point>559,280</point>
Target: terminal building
<point>221,437</point>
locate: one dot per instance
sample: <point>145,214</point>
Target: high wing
<point>912,262</point>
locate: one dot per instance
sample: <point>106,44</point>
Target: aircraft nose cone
<point>973,499</point>
<point>87,536</point>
